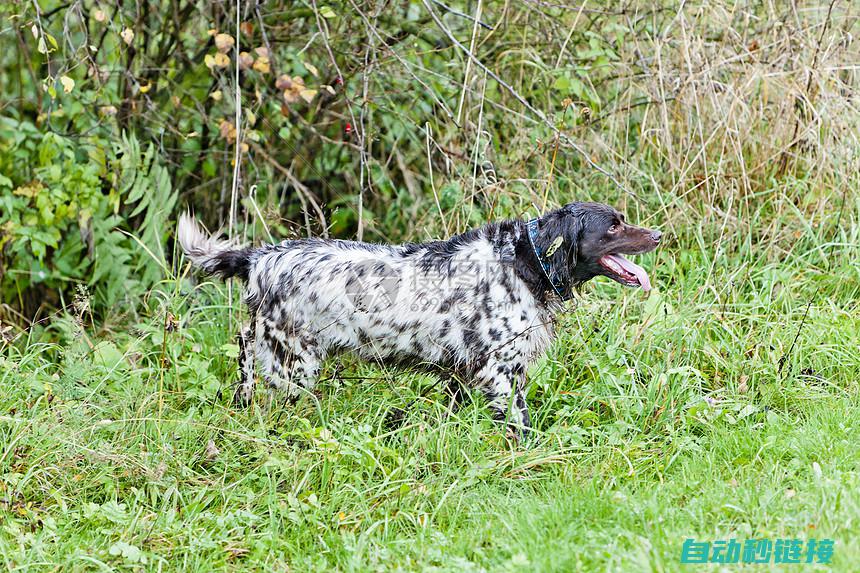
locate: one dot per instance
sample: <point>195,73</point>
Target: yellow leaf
<point>100,15</point>
<point>209,60</point>
<point>222,60</point>
<point>145,88</point>
<point>262,65</point>
<point>107,110</point>
<point>212,31</point>
<point>252,117</point>
<point>312,69</point>
<point>262,51</point>
<point>308,95</point>
<point>127,36</point>
<point>227,130</point>
<point>29,190</point>
<point>216,95</point>
<point>246,60</point>
<point>224,42</point>
<point>68,84</point>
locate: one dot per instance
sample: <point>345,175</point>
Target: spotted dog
<point>477,307</point>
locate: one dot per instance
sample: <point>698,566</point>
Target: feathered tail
<point>215,256</point>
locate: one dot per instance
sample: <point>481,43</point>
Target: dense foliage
<point>393,120</point>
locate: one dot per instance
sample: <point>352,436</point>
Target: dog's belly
<point>460,336</point>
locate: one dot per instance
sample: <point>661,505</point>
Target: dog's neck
<point>542,256</point>
<point>528,265</point>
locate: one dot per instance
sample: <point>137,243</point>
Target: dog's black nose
<point>655,236</point>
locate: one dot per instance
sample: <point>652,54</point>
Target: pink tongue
<point>633,269</point>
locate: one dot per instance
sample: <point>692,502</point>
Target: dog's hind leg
<point>244,393</point>
<point>307,361</point>
<point>276,363</point>
<point>503,385</point>
<point>291,364</point>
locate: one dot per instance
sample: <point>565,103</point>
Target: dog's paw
<point>394,419</point>
<point>243,398</point>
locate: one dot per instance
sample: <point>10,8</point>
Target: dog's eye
<point>614,229</point>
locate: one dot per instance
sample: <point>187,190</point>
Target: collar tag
<point>554,246</point>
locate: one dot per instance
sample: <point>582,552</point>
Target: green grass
<point>659,419</point>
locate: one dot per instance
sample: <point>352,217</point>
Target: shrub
<point>67,208</point>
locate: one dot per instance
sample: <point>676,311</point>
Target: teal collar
<point>532,227</point>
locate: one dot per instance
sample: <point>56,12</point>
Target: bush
<point>67,208</point>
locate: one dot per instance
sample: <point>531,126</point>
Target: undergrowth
<point>722,405</point>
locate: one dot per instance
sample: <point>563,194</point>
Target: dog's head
<point>583,240</point>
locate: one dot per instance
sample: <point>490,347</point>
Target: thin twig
<point>787,355</point>
<point>476,19</point>
<point>294,181</point>
<point>562,136</point>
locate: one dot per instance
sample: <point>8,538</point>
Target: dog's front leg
<point>503,385</point>
<point>456,393</point>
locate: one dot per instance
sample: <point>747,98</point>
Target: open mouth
<point>625,272</point>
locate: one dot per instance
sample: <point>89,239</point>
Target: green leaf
<point>108,355</point>
<point>747,410</point>
<point>209,167</point>
<point>562,83</point>
<point>115,512</point>
<point>327,12</point>
<point>129,552</point>
<point>230,350</point>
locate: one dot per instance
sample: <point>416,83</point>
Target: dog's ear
<point>558,242</point>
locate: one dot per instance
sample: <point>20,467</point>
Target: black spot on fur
<point>445,329</point>
<point>233,264</point>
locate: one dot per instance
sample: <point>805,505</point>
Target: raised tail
<point>215,256</point>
